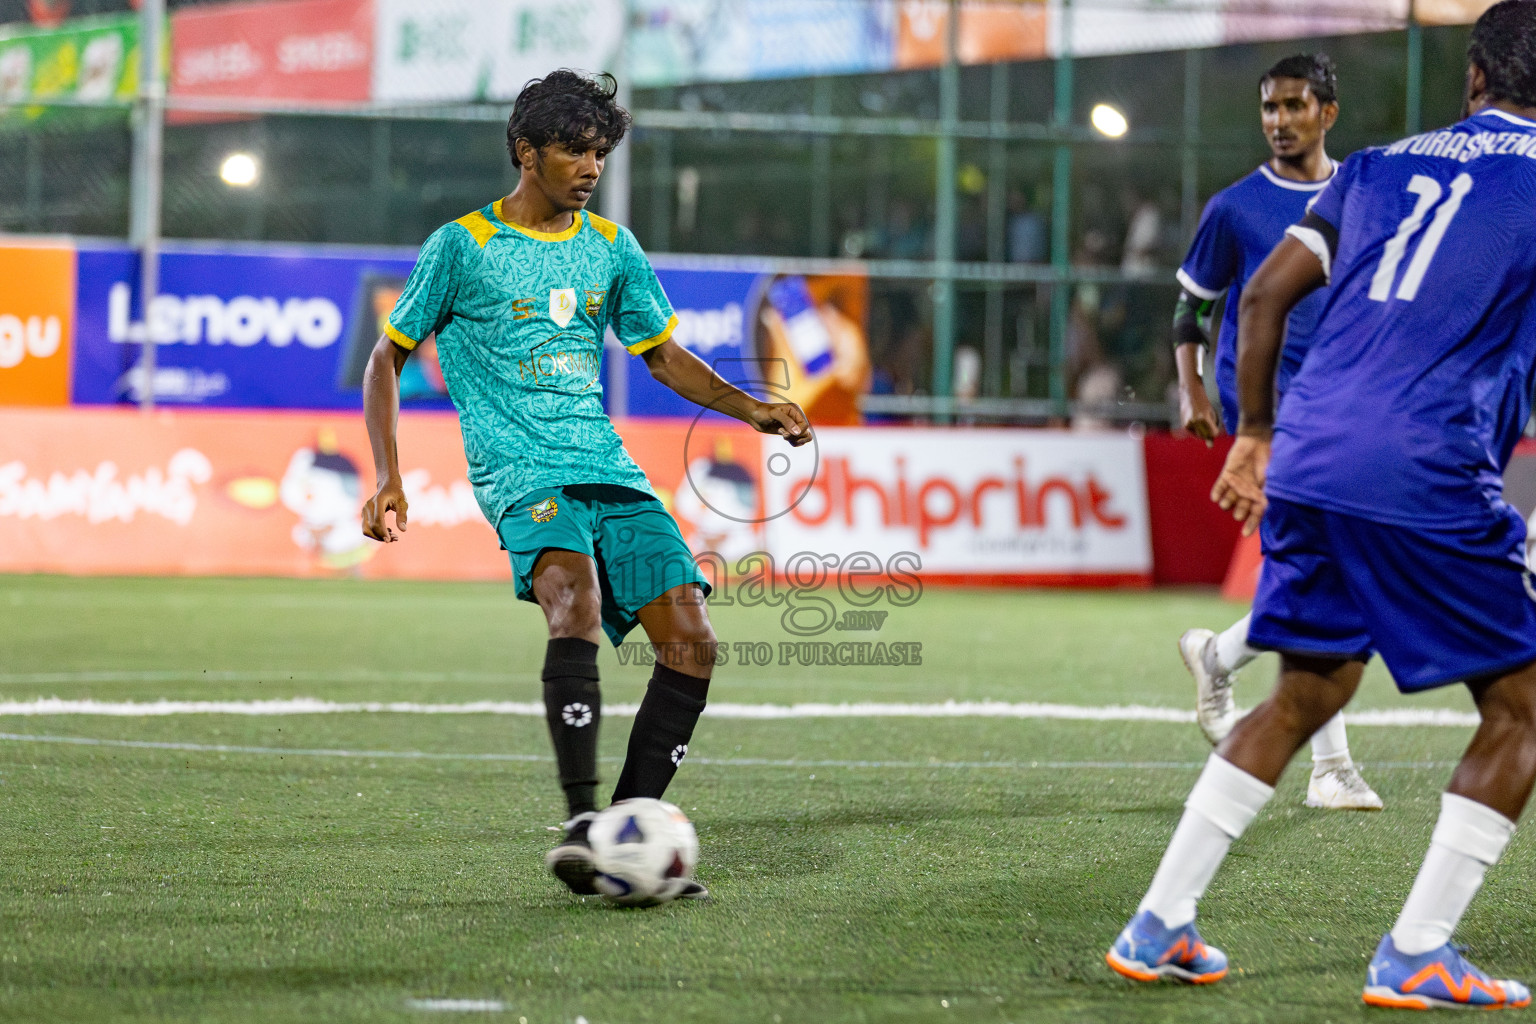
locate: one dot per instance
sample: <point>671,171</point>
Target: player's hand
<point>1198,415</point>
<point>390,496</point>
<point>1240,488</point>
<point>782,418</point>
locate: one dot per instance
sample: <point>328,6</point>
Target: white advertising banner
<point>430,51</point>
<point>1133,26</point>
<point>981,505</point>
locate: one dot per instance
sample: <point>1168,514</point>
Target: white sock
<point>1223,803</point>
<point>1232,650</point>
<point>1331,741</point>
<point>1468,839</point>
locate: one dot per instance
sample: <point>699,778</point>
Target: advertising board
<point>989,31</point>
<point>677,41</point>
<point>455,50</point>
<point>37,323</point>
<point>995,506</point>
<point>101,491</point>
<point>86,59</point>
<point>93,491</point>
<point>798,338</point>
<point>299,51</point>
<point>267,327</point>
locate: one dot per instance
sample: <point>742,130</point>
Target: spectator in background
<point>906,237</point>
<point>1027,241</point>
<point>1143,236</point>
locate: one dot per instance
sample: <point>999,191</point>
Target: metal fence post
<point>1413,113</point>
<point>945,212</point>
<point>1061,215</point>
<point>1189,206</point>
<point>616,173</point>
<point>148,180</point>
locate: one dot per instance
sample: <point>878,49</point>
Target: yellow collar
<point>542,236</point>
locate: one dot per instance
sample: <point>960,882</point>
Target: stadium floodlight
<point>240,170</point>
<point>1109,121</point>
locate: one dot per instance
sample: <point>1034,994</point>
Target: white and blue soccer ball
<point>644,851</point>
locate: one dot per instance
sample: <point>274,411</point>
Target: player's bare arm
<point>1191,332</point>
<point>688,375</point>
<point>1290,273</point>
<point>381,411</point>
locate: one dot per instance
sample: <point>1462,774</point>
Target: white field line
<point>457,1005</point>
<point>532,709</point>
<point>729,762</point>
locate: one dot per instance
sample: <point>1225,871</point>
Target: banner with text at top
<point>317,52</point>
<point>430,51</point>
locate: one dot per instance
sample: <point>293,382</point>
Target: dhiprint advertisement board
<point>1015,506</point>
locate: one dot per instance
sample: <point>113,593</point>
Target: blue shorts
<point>639,551</point>
<point>1441,606</point>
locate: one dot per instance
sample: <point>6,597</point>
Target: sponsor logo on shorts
<point>544,511</point>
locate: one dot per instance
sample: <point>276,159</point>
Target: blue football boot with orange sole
<point>1148,950</point>
<point>1441,978</point>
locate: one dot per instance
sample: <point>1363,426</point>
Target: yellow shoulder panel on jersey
<point>479,225</point>
<point>605,227</point>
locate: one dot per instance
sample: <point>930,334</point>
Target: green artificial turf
<point>864,869</point>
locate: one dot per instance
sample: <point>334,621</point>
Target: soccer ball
<point>644,851</point>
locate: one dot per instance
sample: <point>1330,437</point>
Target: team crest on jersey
<point>544,511</point>
<point>562,305</point>
<point>594,301</point>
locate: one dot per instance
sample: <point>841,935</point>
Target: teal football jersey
<point>520,317</point>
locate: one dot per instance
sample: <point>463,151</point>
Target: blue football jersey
<point>1240,226</point>
<point>1418,381</point>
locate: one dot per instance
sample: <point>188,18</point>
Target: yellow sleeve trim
<point>605,227</point>
<point>640,347</point>
<point>479,225</point>
<point>394,334</point>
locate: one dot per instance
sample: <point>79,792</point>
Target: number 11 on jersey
<point>1429,192</point>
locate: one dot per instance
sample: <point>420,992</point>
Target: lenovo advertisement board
<point>264,327</point>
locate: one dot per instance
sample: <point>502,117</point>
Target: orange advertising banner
<point>989,31</point>
<point>37,323</point>
<point>277,493</point>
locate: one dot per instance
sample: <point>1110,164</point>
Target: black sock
<point>659,739</point>
<point>573,707</point>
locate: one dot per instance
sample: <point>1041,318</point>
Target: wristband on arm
<point>1192,320</point>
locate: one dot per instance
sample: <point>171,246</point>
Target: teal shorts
<point>639,551</point>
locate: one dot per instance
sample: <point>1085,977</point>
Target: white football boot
<point>1215,707</point>
<point>1336,785</point>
